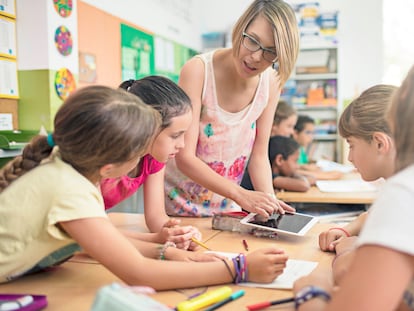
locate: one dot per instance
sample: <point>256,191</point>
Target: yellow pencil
<point>200,243</point>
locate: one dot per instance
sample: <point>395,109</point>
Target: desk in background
<point>73,285</point>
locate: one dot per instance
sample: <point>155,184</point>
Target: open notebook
<point>294,270</point>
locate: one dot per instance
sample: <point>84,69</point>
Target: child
<point>174,107</point>
<point>283,156</point>
<point>303,134</point>
<point>372,152</point>
<point>381,275</point>
<point>284,120</point>
<point>234,92</point>
<point>56,206</point>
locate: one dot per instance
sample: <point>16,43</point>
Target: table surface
<point>314,195</point>
<point>73,285</point>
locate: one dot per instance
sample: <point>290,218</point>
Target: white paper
<point>294,270</point>
<point>328,166</point>
<point>345,186</point>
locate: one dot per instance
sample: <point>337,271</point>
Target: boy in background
<point>283,157</point>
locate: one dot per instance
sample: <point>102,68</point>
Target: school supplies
<point>246,247</point>
<point>116,297</point>
<point>200,243</point>
<point>19,302</point>
<point>232,297</point>
<point>205,299</point>
<point>265,304</point>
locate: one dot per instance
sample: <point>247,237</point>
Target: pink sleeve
<point>115,190</point>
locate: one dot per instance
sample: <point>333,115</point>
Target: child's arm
<point>101,240</point>
<point>157,220</point>
<point>330,238</point>
<point>297,183</point>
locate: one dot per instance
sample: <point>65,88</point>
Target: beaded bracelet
<point>164,248</point>
<point>341,229</point>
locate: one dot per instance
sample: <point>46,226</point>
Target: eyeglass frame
<point>259,47</point>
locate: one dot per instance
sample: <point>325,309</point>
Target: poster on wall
<point>137,53</point>
<point>7,37</point>
<point>8,78</point>
<point>8,8</point>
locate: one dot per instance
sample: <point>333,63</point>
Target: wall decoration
<point>63,40</point>
<point>63,7</point>
<point>87,67</point>
<point>65,83</point>
<point>8,8</point>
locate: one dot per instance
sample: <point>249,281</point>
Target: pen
<point>233,296</point>
<point>205,299</point>
<point>246,247</point>
<point>265,304</point>
<point>200,243</point>
<point>16,304</point>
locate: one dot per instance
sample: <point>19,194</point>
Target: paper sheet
<point>328,166</point>
<point>345,186</point>
<point>294,270</point>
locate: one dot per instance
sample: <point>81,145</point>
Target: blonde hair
<point>401,118</point>
<point>366,114</point>
<point>285,32</point>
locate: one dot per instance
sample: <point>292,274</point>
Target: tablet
<point>288,223</point>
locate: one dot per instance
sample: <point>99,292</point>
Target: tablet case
<point>230,221</point>
<point>115,297</point>
<point>39,301</point>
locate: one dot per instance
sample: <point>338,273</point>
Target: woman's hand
<point>262,203</point>
<point>264,265</point>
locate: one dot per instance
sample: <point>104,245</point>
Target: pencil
<point>200,243</point>
<point>246,247</point>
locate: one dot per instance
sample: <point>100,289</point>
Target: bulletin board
<point>137,53</point>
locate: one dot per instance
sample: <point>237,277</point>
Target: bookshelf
<point>313,86</point>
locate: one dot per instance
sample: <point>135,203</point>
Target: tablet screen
<point>290,223</point>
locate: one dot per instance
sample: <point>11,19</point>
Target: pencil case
<point>116,297</point>
<point>230,221</point>
<point>11,302</point>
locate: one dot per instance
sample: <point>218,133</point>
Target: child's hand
<point>180,235</point>
<point>264,265</point>
<point>330,238</point>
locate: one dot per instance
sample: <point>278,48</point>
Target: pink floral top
<point>225,142</point>
<point>115,190</point>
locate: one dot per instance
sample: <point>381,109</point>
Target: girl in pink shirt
<point>175,109</point>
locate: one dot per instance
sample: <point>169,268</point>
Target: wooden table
<point>314,195</point>
<point>73,285</point>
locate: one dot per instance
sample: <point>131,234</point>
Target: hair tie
<point>130,82</point>
<point>50,140</point>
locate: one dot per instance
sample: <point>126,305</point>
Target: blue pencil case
<point>22,302</point>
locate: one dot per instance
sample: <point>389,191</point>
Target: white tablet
<point>288,223</point>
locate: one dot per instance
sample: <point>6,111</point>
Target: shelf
<point>325,137</point>
<point>315,76</point>
<point>315,108</point>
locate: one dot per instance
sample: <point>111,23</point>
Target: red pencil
<point>246,247</point>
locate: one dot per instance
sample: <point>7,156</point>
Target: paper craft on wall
<point>87,67</point>
<point>63,7</point>
<point>63,40</point>
<point>8,78</point>
<point>65,83</point>
<point>8,8</point>
<point>7,37</point>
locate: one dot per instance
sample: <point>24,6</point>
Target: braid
<point>33,154</point>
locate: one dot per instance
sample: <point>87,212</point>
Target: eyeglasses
<point>253,45</point>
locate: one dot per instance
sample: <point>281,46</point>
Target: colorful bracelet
<point>164,248</point>
<point>228,269</point>
<point>240,266</point>
<point>341,229</point>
